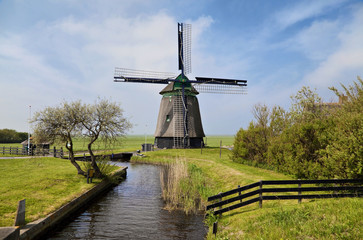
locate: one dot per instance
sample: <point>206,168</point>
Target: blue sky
<point>54,50</point>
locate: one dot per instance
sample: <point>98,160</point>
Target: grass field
<point>129,143</point>
<point>45,183</point>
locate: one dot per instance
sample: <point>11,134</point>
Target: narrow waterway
<point>133,210</point>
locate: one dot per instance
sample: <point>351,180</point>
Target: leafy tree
<point>60,124</point>
<point>12,136</point>
<point>103,120</point>
<point>252,144</point>
<point>346,151</point>
<point>304,135</point>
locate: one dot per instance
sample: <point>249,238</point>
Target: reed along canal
<point>132,210</point>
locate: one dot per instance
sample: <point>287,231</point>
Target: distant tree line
<point>12,136</point>
<point>311,140</point>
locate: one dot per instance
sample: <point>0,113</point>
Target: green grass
<point>323,219</point>
<point>214,141</point>
<point>45,183</point>
<point>133,142</point>
<point>128,143</point>
<point>10,145</point>
<point>313,219</point>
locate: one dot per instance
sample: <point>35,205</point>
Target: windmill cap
<point>175,87</point>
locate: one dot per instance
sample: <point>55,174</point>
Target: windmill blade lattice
<point>132,75</point>
<point>185,47</point>
<point>220,85</point>
<point>221,89</point>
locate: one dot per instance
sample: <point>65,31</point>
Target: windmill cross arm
<point>220,81</point>
<point>141,80</point>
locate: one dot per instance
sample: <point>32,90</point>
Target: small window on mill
<point>168,118</point>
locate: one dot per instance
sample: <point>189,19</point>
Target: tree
<point>12,136</point>
<point>297,150</point>
<point>103,121</point>
<point>60,124</point>
<point>252,144</point>
<point>345,152</point>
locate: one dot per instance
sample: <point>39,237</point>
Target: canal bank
<point>40,227</point>
<point>134,209</point>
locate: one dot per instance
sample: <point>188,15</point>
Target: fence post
<point>3,150</point>
<point>220,149</point>
<point>239,193</point>
<point>220,207</point>
<point>10,150</point>
<point>17,151</point>
<point>335,185</point>
<point>215,228</point>
<point>299,201</point>
<point>20,214</point>
<point>61,152</point>
<point>260,194</point>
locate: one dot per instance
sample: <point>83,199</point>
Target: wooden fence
<point>329,189</point>
<point>32,151</point>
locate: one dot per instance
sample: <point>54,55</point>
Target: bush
<point>313,140</point>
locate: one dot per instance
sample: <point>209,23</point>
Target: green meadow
<point>45,183</point>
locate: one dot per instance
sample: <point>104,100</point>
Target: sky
<point>53,51</point>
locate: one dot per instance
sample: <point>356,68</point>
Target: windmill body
<point>172,128</point>
<point>179,122</point>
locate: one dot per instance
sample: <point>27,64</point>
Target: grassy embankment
<point>313,219</point>
<point>45,183</point>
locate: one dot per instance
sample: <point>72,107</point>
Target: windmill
<point>179,122</point>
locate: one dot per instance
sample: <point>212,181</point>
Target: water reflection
<point>133,210</point>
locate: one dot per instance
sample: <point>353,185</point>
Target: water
<point>133,210</point>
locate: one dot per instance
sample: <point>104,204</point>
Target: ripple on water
<point>133,210</point>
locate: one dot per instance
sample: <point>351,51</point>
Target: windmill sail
<point>140,76</point>
<point>220,85</point>
<point>184,47</point>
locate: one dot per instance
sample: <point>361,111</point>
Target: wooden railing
<point>226,201</point>
<point>32,151</point>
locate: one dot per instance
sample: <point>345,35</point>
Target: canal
<point>132,210</point>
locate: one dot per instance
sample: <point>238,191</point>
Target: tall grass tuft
<point>103,162</point>
<point>181,186</point>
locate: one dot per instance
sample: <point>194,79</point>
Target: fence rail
<point>336,192</point>
<point>32,151</point>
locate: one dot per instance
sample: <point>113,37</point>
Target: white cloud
<point>74,58</point>
<point>343,65</point>
<point>304,10</point>
<point>318,40</point>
